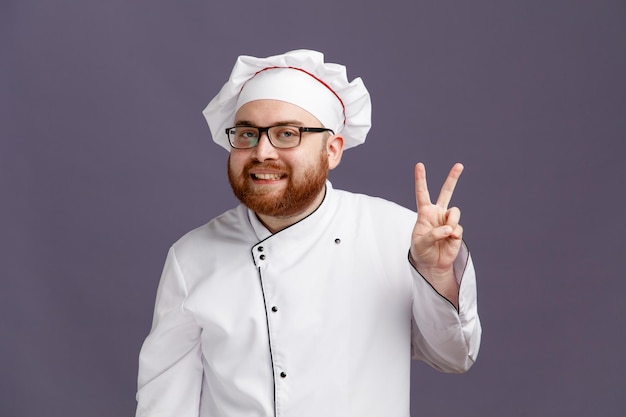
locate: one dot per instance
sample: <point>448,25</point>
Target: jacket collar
<point>304,227</point>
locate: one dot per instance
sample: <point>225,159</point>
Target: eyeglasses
<point>282,136</point>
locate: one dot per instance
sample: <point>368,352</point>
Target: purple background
<point>105,160</point>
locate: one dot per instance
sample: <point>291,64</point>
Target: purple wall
<point>105,160</point>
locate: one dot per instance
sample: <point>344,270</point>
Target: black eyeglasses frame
<point>301,129</point>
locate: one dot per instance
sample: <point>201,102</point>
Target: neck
<point>276,224</point>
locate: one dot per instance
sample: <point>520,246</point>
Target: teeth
<point>267,176</point>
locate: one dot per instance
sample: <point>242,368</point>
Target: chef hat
<point>298,77</point>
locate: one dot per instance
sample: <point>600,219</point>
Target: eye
<point>286,132</point>
<point>243,137</point>
<point>246,133</point>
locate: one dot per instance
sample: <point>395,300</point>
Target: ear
<point>334,147</point>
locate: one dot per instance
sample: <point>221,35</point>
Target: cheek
<point>236,162</point>
<point>310,158</point>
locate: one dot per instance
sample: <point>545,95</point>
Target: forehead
<point>268,112</point>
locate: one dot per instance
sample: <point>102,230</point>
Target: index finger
<point>448,186</point>
<point>422,197</point>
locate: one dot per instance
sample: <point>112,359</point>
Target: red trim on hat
<point>343,107</point>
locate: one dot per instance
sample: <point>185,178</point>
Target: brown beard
<point>296,198</point>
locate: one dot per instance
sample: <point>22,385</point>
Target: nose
<point>264,150</point>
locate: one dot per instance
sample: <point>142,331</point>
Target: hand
<point>437,235</point>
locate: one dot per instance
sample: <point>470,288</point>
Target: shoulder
<point>381,227</point>
<point>230,226</point>
<point>378,213</point>
<point>363,202</point>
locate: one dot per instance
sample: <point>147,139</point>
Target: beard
<point>298,195</point>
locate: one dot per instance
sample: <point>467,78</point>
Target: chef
<point>305,300</point>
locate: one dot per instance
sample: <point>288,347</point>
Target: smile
<point>271,177</point>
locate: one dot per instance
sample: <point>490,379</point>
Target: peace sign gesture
<point>437,235</point>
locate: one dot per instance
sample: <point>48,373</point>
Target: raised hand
<point>437,235</point>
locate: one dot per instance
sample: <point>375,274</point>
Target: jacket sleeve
<point>170,362</point>
<point>443,337</point>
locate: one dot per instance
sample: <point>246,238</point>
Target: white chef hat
<point>299,77</point>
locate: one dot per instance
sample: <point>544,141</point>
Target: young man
<point>305,300</point>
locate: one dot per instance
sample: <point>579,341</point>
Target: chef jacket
<point>319,319</point>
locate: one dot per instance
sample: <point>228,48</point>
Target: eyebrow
<point>279,123</point>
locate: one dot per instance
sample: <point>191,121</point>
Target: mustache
<point>264,165</point>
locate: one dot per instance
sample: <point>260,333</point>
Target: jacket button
<point>260,248</point>
<point>274,309</point>
<point>283,375</point>
<point>337,241</point>
<point>262,257</point>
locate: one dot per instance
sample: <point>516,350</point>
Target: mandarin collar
<point>301,226</point>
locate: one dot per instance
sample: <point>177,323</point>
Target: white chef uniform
<point>319,319</point>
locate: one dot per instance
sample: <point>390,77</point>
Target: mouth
<point>271,177</point>
<point>266,173</point>
<point>267,176</point>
